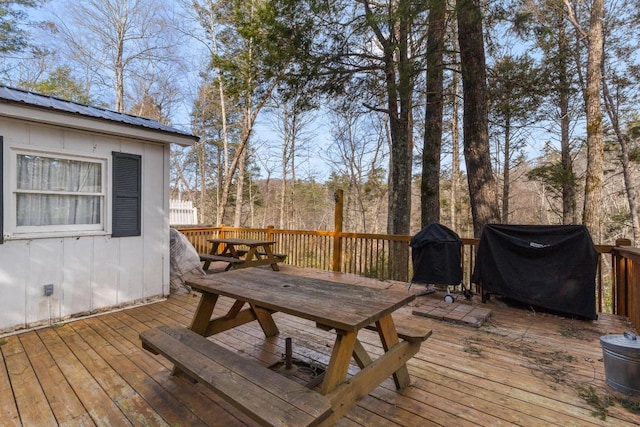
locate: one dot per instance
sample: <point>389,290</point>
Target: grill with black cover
<point>547,266</point>
<point>435,255</point>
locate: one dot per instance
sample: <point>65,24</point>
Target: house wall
<point>90,272</point>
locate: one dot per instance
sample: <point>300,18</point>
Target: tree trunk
<point>237,221</point>
<point>455,157</point>
<point>202,166</point>
<point>283,189</point>
<point>455,144</point>
<point>595,144</point>
<point>569,211</point>
<point>482,183</point>
<point>506,176</point>
<point>430,186</point>
<point>287,138</point>
<point>400,103</point>
<point>292,156</point>
<point>399,81</point>
<point>629,184</point>
<point>233,167</point>
<point>119,71</point>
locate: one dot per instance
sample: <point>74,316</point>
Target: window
<point>58,193</point>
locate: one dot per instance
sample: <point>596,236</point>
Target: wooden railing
<point>388,257</point>
<point>626,293</point>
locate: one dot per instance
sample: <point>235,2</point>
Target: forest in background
<point>399,103</point>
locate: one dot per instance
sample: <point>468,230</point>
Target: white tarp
<point>184,260</point>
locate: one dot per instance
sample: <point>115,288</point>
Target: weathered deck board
<point>520,368</point>
<point>183,403</point>
<point>64,403</point>
<point>8,410</point>
<point>99,405</point>
<point>30,399</point>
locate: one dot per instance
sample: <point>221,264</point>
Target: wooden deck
<point>519,368</point>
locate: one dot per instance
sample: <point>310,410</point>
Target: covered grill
<point>547,266</point>
<point>436,257</point>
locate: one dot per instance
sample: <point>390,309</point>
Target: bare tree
<point>292,121</point>
<point>545,23</point>
<point>357,154</point>
<point>112,38</point>
<point>514,98</point>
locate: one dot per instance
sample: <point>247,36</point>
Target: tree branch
<point>574,21</point>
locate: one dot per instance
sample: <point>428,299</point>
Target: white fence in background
<point>182,212</point>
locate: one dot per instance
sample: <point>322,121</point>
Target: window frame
<point>14,231</point>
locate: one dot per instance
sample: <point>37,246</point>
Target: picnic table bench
<point>208,259</point>
<point>267,397</point>
<point>279,257</point>
<point>409,328</point>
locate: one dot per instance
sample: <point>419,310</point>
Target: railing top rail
<point>473,241</point>
<point>302,232</point>
<point>394,237</point>
<point>627,252</point>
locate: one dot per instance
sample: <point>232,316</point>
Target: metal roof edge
<point>35,100</point>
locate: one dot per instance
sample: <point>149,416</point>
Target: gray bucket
<point>622,362</point>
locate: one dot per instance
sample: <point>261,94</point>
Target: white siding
<point>92,272</point>
<point>155,218</point>
<point>44,265</point>
<point>105,285</point>
<point>14,268</point>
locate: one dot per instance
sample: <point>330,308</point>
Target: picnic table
<point>242,253</point>
<point>343,308</point>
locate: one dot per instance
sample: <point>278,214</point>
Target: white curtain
<point>53,191</point>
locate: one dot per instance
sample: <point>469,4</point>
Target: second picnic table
<point>241,253</point>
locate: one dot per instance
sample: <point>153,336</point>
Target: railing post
<point>270,229</point>
<point>337,230</point>
<point>619,295</point>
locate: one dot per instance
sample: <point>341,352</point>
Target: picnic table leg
<point>214,249</point>
<point>339,363</point>
<point>270,256</point>
<point>266,321</point>
<point>346,394</point>
<point>360,355</point>
<point>389,338</point>
<point>234,310</point>
<point>201,318</point>
<point>231,250</point>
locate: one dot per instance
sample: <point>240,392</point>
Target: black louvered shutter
<point>127,195</point>
<point>1,192</point>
